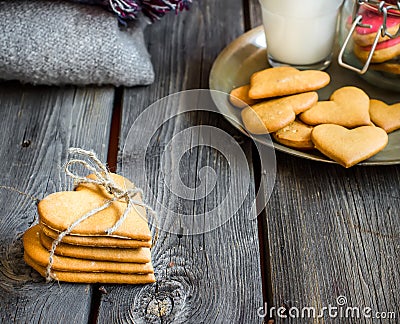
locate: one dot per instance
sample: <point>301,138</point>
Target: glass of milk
<point>300,33</point>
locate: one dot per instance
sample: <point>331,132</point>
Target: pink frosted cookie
<point>384,51</point>
<point>365,36</point>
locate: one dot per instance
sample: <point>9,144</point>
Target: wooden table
<point>326,231</point>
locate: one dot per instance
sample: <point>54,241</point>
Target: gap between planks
<point>265,260</point>
<point>112,161</point>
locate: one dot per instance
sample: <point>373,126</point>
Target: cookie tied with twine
<point>105,211</point>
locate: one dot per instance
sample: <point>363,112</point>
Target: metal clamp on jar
<point>370,41</point>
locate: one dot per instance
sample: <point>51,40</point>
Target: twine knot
<point>103,179</point>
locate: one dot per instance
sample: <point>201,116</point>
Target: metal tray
<point>247,54</point>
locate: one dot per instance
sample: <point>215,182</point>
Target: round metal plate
<point>247,54</point>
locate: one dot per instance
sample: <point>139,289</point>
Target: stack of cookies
<point>348,128</point>
<point>386,56</point>
<point>87,254</point>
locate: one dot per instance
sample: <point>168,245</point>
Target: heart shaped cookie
<point>38,253</point>
<point>272,115</point>
<point>348,147</point>
<point>389,66</point>
<point>283,81</point>
<point>140,255</point>
<point>93,277</point>
<point>296,134</point>
<point>239,97</point>
<point>59,210</point>
<point>365,36</point>
<point>384,51</point>
<point>348,107</point>
<point>385,116</point>
<point>97,241</point>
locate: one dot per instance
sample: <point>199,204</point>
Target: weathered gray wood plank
<point>212,277</point>
<point>38,125</point>
<point>334,232</point>
<point>255,18</point>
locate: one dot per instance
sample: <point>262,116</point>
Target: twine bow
<point>103,179</point>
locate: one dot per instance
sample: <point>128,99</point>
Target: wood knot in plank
<point>13,270</point>
<point>160,307</point>
<point>166,301</point>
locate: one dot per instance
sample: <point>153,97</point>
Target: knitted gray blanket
<point>56,43</point>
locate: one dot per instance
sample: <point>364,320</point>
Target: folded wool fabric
<point>56,43</point>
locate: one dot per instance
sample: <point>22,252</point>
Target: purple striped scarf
<point>129,9</point>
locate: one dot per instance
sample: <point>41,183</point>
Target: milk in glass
<point>300,32</point>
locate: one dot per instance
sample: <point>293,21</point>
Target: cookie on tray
<point>284,81</point>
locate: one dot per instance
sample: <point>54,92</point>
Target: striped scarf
<point>127,10</point>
